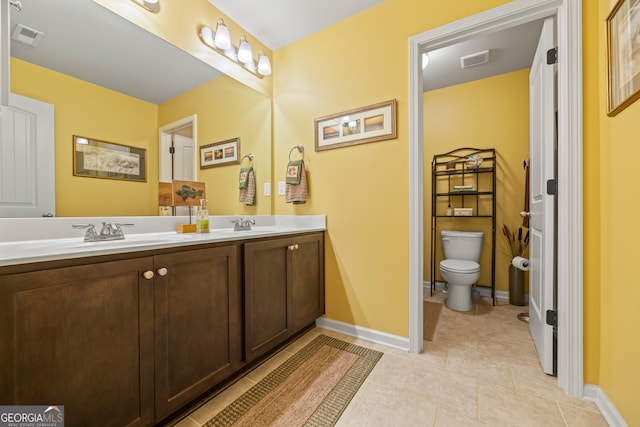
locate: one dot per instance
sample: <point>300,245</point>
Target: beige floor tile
<point>268,365</point>
<point>577,417</point>
<point>500,406</point>
<point>187,422</point>
<point>448,418</point>
<point>383,406</point>
<point>443,388</point>
<point>391,371</point>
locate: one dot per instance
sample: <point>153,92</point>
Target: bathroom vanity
<point>132,336</point>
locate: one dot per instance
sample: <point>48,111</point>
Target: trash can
<point>516,285</point>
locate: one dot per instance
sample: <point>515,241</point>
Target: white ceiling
<point>84,40</point>
<point>277,23</point>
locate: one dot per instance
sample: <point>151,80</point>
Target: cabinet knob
<point>148,274</point>
<point>293,247</point>
<point>162,271</point>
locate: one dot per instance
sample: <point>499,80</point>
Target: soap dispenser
<point>202,219</point>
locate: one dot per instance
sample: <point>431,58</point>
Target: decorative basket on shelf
<point>474,161</point>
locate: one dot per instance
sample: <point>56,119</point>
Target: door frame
<point>164,142</point>
<point>570,220</point>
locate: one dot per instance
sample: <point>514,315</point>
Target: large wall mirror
<point>113,81</point>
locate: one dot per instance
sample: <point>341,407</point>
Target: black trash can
<point>516,286</point>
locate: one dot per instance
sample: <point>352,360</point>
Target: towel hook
<point>300,149</point>
<point>248,156</point>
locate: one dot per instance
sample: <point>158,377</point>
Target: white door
<point>27,161</point>
<point>183,158</point>
<point>542,205</point>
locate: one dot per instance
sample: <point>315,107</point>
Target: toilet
<point>460,268</point>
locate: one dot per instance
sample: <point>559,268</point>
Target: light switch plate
<point>267,188</point>
<point>281,188</point>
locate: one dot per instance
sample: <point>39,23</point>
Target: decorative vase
<point>516,285</point>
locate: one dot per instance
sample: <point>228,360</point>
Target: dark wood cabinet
<point>198,325</point>
<point>81,337</point>
<point>283,289</point>
<point>130,339</point>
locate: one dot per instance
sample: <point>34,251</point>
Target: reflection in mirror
<point>111,80</point>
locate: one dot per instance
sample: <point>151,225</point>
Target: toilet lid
<point>459,266</point>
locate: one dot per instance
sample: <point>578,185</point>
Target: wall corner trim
<point>594,393</point>
<point>378,337</point>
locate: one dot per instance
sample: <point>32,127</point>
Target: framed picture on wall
<point>623,55</point>
<point>375,122</point>
<point>101,159</point>
<point>220,153</point>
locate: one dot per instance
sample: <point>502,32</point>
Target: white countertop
<point>30,240</point>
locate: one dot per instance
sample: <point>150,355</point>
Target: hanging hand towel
<point>247,186</point>
<point>296,179</point>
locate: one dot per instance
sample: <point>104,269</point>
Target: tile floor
<point>480,370</point>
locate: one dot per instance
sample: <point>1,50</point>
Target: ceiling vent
<point>474,59</point>
<point>26,35</point>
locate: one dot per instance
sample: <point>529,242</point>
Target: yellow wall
<point>619,374</point>
<point>487,113</point>
<point>362,189</point>
<point>227,109</point>
<point>85,109</point>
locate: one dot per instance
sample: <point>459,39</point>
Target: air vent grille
<point>474,59</point>
<point>26,35</point>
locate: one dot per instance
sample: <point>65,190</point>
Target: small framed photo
<point>220,153</point>
<point>361,125</point>
<point>623,55</point>
<point>101,159</point>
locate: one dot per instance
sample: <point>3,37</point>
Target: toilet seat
<point>459,266</point>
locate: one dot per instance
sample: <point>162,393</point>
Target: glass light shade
<point>244,51</point>
<point>264,65</point>
<point>206,34</point>
<point>150,5</point>
<point>222,39</point>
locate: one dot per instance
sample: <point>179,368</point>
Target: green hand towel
<point>244,177</point>
<point>293,172</point>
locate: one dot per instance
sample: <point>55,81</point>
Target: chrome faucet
<point>243,224</point>
<point>108,231</point>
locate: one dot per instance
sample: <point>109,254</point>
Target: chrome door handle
<point>525,214</point>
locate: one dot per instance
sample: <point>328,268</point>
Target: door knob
<point>148,275</point>
<point>525,214</point>
<point>162,271</point>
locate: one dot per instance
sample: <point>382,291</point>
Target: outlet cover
<point>281,188</point>
<point>267,188</point>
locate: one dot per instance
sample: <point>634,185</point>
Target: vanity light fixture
<point>222,39</point>
<point>264,65</point>
<point>244,51</point>
<point>150,5</point>
<point>241,55</point>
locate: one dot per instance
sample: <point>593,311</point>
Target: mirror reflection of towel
<point>296,179</point>
<point>247,185</point>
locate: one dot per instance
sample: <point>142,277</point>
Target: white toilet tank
<point>464,245</point>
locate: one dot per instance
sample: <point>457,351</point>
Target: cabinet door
<point>197,323</point>
<point>266,301</point>
<point>81,337</point>
<point>306,274</point>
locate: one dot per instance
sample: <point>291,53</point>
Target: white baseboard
<point>484,291</point>
<point>593,393</point>
<point>395,341</point>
